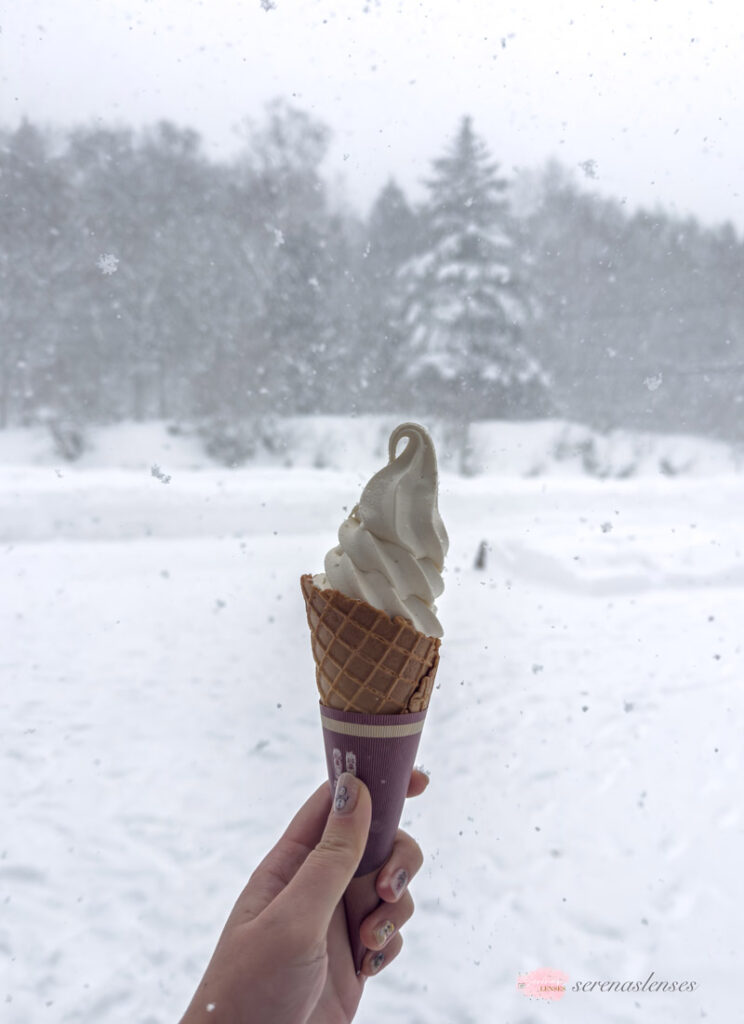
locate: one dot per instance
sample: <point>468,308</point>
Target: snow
<point>107,263</point>
<point>522,449</point>
<point>158,723</point>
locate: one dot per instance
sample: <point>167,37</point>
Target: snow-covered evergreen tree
<point>390,240</point>
<point>464,307</point>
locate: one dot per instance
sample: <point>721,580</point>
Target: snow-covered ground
<point>158,727</point>
<point>524,449</point>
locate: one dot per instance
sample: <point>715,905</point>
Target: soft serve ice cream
<point>375,639</point>
<point>391,547</point>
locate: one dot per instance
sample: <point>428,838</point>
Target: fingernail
<point>399,882</point>
<point>376,962</point>
<point>383,933</point>
<point>347,791</point>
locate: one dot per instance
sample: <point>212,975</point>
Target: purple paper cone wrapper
<point>360,899</point>
<point>380,750</point>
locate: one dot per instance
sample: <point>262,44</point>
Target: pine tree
<point>464,306</point>
<point>289,245</point>
<point>389,242</point>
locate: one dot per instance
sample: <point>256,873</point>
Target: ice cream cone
<point>376,659</point>
<point>365,660</point>
<point>375,676</point>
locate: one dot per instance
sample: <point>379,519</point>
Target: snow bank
<point>505,448</point>
<point>557,447</point>
<point>122,445</point>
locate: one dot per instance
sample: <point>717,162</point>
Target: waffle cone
<point>365,660</point>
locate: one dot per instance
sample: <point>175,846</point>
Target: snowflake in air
<point>589,167</point>
<point>157,472</point>
<point>107,263</point>
<point>653,383</point>
<point>268,5</point>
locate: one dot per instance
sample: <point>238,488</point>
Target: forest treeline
<point>140,279</point>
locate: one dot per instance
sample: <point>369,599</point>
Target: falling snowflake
<point>157,472</point>
<point>653,383</point>
<point>107,263</point>
<point>277,233</point>
<point>589,167</point>
<point>268,5</point>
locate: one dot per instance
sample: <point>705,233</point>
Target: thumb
<point>317,887</point>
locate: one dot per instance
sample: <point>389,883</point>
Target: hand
<point>284,955</point>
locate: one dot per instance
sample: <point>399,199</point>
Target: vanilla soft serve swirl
<point>391,548</point>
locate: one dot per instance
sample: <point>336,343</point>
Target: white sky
<point>652,90</point>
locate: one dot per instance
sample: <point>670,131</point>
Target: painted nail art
<point>376,962</point>
<point>400,881</point>
<point>383,933</point>
<point>345,797</point>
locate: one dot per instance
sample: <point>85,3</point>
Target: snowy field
<point>159,726</point>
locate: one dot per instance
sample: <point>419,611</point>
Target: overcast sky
<point>650,90</point>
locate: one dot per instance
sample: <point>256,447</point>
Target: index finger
<point>418,782</point>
